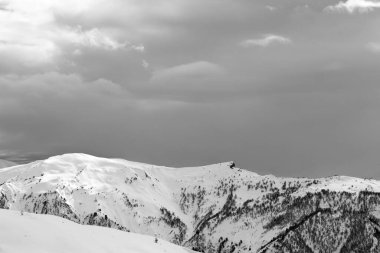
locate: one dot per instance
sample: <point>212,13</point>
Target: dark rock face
<point>345,224</point>
<point>3,201</point>
<point>49,203</point>
<point>103,221</point>
<point>174,222</point>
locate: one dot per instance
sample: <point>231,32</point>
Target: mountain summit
<point>215,208</point>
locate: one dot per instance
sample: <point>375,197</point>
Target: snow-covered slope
<point>36,233</point>
<point>5,163</point>
<point>215,208</point>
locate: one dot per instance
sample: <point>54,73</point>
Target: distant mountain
<point>44,233</point>
<point>216,208</point>
<point>5,164</point>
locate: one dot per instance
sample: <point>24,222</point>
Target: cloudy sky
<point>287,87</point>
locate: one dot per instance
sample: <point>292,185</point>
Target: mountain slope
<point>5,164</point>
<point>35,233</point>
<point>215,208</point>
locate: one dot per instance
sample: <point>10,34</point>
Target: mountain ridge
<point>213,208</point>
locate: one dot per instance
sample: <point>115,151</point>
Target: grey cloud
<point>305,109</point>
<point>352,6</point>
<point>375,47</point>
<point>197,70</point>
<point>44,113</point>
<point>266,40</point>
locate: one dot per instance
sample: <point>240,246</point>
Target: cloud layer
<point>283,87</point>
<point>352,6</point>
<point>266,40</point>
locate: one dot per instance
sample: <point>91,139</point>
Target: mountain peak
<point>231,164</point>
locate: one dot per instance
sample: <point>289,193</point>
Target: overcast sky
<point>284,87</point>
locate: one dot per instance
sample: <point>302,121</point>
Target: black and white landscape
<point>215,208</point>
<point>287,89</point>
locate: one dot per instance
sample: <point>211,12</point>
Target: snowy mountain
<point>215,208</point>
<point>5,164</point>
<point>36,233</point>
